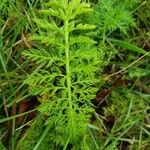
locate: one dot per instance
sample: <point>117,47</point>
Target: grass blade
<point>128,46</point>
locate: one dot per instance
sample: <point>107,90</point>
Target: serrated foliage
<point>10,8</point>
<point>110,15</point>
<point>68,70</point>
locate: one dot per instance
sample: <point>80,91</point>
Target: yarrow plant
<point>67,72</point>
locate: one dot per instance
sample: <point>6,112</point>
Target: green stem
<point>68,76</point>
<point>67,60</point>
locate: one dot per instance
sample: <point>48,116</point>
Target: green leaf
<point>44,24</point>
<point>128,46</point>
<point>45,39</point>
<point>71,26</point>
<point>57,4</point>
<point>138,72</point>
<point>50,12</point>
<point>74,4</point>
<point>42,57</point>
<point>82,8</point>
<point>81,39</point>
<point>85,27</point>
<point>62,15</point>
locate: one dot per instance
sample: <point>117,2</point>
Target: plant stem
<point>67,60</point>
<point>68,77</point>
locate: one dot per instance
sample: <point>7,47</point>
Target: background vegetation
<point>109,47</point>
